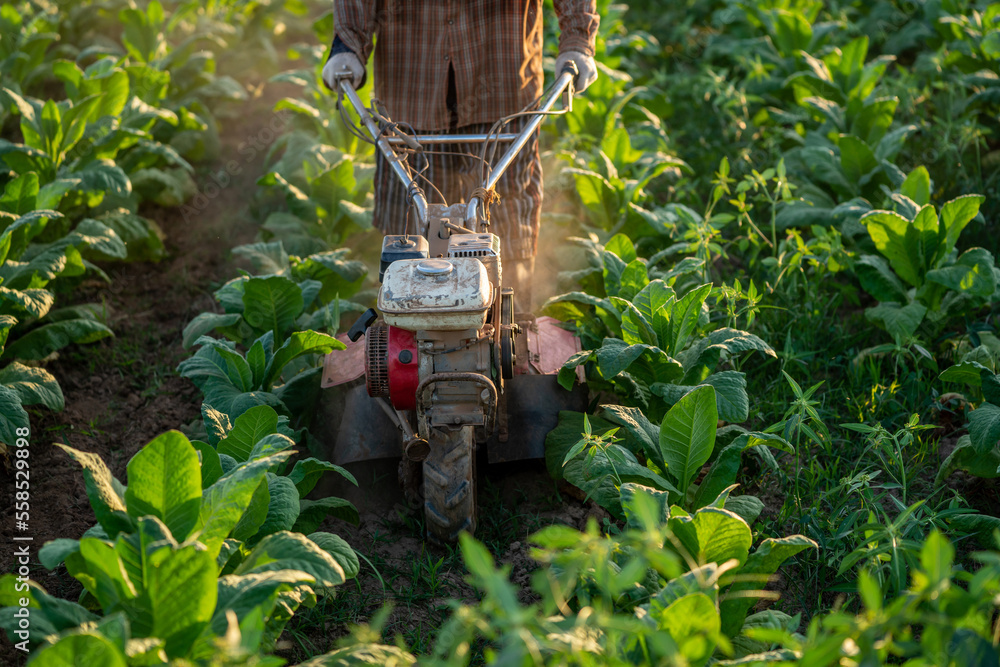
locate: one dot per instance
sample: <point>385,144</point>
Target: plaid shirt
<point>494,47</point>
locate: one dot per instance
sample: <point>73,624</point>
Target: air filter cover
<point>441,294</point>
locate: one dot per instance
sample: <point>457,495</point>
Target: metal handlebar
<point>437,139</point>
<point>519,140</point>
<point>419,200</point>
<point>565,80</point>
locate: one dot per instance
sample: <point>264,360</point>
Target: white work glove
<point>341,63</point>
<point>585,65</point>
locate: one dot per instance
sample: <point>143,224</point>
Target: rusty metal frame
<point>425,398</point>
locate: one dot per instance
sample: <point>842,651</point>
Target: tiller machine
<point>447,363</point>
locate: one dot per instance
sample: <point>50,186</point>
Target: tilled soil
<point>122,392</point>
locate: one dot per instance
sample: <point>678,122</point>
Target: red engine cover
<point>402,365</point>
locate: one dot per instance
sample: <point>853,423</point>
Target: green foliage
<point>978,452</point>
<point>233,382</point>
<point>165,569</point>
<point>667,458</point>
<point>651,343</point>
<point>918,273</point>
<point>291,294</point>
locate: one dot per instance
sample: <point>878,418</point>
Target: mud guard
<point>351,426</point>
<point>533,405</point>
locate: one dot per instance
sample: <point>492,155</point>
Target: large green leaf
<point>142,237</point>
<point>340,550</point>
<point>877,279</point>
<point>50,615</point>
<point>244,594</point>
<point>78,650</point>
<point>905,244</point>
<point>633,279</point>
<point>652,298</point>
<point>34,385</point>
<point>293,551</point>
<point>106,493</point>
<point>266,257</point>
<point>182,597</point>
<point>100,241</point>
<point>20,194</point>
<point>641,435</point>
<point>140,553</point>
<point>205,323</point>
<point>273,442</point>
<point>255,513</point>
<point>900,321</point>
<point>622,246</point>
<point>296,345</point>
<point>966,457</point>
<point>599,476</point>
<point>615,355</point>
<point>224,502</point>
<point>12,416</point>
<point>955,215</point>
<point>55,551</point>
<point>972,273</point>
<point>36,302</point>
<point>917,187</point>
<point>312,512</point>
<point>339,276</point>
<point>760,565</point>
<point>693,623</point>
<point>687,434</point>
<point>101,571</point>
<point>732,401</point>
<point>248,428</point>
<point>683,321</point>
<point>307,473</point>
<point>164,480</point>
<point>856,158</point>
<point>218,359</point>
<point>635,327</point>
<point>211,466</point>
<point>43,341</point>
<point>713,535</point>
<point>104,177</point>
<point>984,427</point>
<point>282,508</point>
<point>272,304</point>
<point>726,465</point>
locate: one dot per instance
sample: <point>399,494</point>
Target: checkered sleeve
<point>578,21</point>
<point>354,23</point>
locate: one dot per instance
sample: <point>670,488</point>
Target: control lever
<point>359,328</point>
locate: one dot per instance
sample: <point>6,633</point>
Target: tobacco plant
<point>667,457</point>
<point>919,277</point>
<point>978,452</point>
<point>647,340</point>
<point>289,294</point>
<point>167,570</point>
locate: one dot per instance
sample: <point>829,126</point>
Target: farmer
<point>457,66</point>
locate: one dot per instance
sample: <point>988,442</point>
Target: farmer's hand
<point>342,63</point>
<point>585,65</point>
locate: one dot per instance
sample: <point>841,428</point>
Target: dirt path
<point>122,392</point>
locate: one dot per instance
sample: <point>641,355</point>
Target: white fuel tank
<point>444,294</point>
